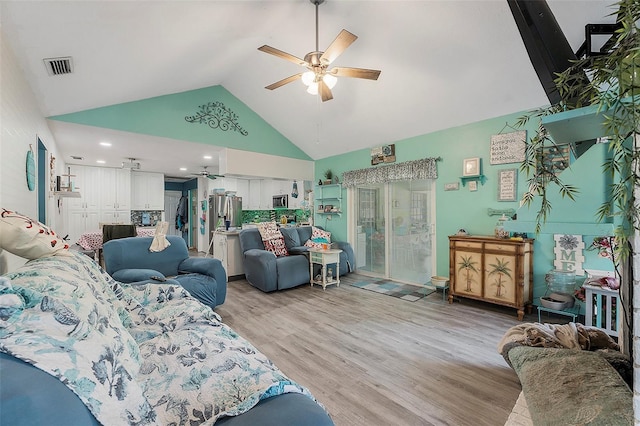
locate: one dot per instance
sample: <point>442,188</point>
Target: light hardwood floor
<point>372,359</point>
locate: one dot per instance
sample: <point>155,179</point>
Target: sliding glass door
<point>394,230</point>
<point>370,230</point>
<point>410,240</point>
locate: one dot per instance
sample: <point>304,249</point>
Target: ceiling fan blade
<point>283,55</point>
<point>284,81</point>
<point>325,92</point>
<point>355,73</point>
<point>337,46</point>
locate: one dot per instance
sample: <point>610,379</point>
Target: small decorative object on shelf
<point>499,231</point>
<point>328,177</point>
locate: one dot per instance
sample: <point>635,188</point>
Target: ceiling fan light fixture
<point>317,78</point>
<point>312,89</point>
<point>330,80</point>
<point>308,77</point>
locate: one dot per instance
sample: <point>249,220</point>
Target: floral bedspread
<point>141,355</point>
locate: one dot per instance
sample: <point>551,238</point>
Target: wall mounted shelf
<point>576,125</point>
<point>480,178</point>
<point>329,195</point>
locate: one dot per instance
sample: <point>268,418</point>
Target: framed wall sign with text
<point>508,185</point>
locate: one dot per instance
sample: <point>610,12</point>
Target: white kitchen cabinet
<point>266,194</point>
<point>80,221</point>
<point>147,191</point>
<point>226,247</point>
<point>252,201</point>
<point>83,213</point>
<point>116,189</point>
<point>281,187</point>
<point>243,191</point>
<point>255,195</point>
<point>86,181</point>
<point>115,216</point>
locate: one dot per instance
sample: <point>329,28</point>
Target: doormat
<point>401,291</point>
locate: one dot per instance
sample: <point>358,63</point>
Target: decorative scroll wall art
<point>410,170</point>
<point>508,147</point>
<point>217,116</point>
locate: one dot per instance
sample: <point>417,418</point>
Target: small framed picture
<point>328,208</point>
<point>320,208</point>
<point>471,167</point>
<point>473,185</point>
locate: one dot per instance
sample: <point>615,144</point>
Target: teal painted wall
<point>468,210</point>
<point>164,116</point>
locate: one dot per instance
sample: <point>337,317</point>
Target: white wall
<point>234,162</point>
<point>21,122</point>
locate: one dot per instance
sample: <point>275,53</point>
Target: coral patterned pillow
<point>318,238</point>
<point>273,239</point>
<point>29,238</point>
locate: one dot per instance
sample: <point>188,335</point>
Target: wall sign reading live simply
<point>507,185</point>
<point>508,147</point>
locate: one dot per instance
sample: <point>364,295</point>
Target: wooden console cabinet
<point>492,269</point>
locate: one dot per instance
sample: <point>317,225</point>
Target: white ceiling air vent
<point>59,66</point>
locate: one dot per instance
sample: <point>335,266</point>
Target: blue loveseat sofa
<point>267,272</point>
<point>129,260</point>
<point>79,348</point>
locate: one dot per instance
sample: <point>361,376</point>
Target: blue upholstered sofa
<point>79,348</point>
<point>267,272</point>
<point>129,260</point>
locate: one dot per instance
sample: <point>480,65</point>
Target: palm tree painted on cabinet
<point>468,264</point>
<point>501,269</point>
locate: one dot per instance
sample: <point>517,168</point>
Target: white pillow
<point>28,238</point>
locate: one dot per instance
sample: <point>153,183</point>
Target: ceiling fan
<point>320,79</point>
<point>205,173</point>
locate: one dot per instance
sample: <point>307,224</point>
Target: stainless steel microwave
<point>281,201</point>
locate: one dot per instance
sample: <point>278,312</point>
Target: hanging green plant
<point>613,88</point>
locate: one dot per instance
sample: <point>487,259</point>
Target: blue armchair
<point>129,260</point>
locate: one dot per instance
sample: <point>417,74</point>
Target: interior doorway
<point>395,228</point>
<point>171,202</point>
<point>193,218</point>
<point>42,182</point>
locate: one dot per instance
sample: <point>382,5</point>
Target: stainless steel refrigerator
<point>224,207</point>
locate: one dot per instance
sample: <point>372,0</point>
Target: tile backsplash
<point>154,216</point>
<point>254,216</point>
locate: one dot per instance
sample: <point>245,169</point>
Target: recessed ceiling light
<point>183,169</point>
<point>105,143</point>
<point>100,161</point>
<point>207,157</point>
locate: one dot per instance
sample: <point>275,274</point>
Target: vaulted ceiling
<point>444,63</point>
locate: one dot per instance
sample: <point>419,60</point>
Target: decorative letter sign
<point>508,147</point>
<point>568,251</point>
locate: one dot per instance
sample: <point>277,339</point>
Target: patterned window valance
<point>409,170</point>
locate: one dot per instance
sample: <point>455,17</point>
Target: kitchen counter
<point>225,232</point>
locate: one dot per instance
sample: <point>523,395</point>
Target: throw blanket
<point>143,355</point>
<point>567,336</point>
